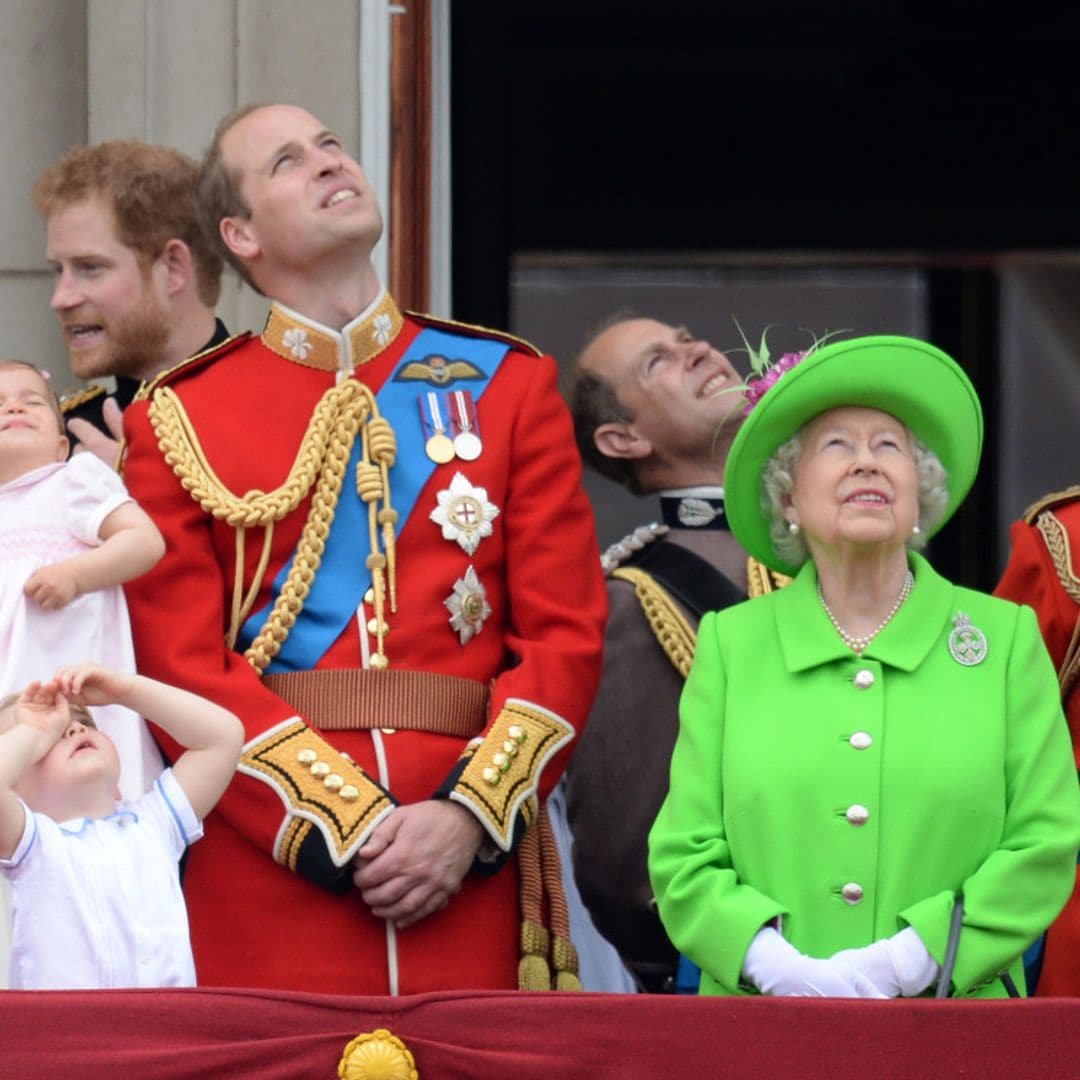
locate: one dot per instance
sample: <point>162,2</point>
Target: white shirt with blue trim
<point>97,902</point>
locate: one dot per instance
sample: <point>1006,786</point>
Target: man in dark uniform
<point>655,409</point>
<point>136,282</point>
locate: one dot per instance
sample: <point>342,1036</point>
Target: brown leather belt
<point>350,699</point>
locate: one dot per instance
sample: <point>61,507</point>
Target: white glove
<point>776,967</point>
<point>898,966</point>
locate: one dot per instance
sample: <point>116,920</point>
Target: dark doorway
<point>936,133</point>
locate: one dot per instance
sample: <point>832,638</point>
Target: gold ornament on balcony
<point>377,1055</point>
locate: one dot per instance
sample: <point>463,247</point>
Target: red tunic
<point>258,917</point>
<point>1040,573</point>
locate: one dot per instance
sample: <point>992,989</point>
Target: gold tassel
<point>533,970</point>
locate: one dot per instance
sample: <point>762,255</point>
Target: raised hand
<point>44,707</point>
<point>93,684</point>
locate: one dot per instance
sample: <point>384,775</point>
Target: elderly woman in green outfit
<point>867,746</point>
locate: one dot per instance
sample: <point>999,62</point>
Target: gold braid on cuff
<point>502,772</point>
<point>319,786</point>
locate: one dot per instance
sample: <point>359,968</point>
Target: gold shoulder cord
<point>1057,543</point>
<point>761,580</point>
<point>321,461</point>
<point>667,622</point>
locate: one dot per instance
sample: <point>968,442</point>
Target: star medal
<point>468,606</point>
<point>438,446</point>
<point>464,513</point>
<point>467,442</point>
<point>967,643</point>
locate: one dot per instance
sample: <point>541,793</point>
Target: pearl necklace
<point>859,644</point>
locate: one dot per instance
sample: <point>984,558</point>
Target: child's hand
<point>93,684</point>
<point>44,707</point>
<point>52,587</point>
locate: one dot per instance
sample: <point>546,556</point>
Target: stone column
<point>43,87</point>
<point>78,71</point>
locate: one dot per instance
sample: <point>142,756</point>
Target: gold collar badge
<point>310,344</point>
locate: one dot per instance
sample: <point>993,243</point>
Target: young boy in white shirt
<point>96,890</point>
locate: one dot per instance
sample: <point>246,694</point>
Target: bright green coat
<point>968,779</point>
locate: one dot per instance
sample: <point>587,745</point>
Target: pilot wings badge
<point>441,371</point>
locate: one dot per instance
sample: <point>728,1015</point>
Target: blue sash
<point>343,577</point>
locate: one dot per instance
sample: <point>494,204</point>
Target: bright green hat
<point>911,380</point>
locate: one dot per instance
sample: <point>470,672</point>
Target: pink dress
<point>48,515</point>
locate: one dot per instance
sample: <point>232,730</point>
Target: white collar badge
<point>468,606</point>
<point>464,513</point>
<point>967,643</point>
<point>295,339</point>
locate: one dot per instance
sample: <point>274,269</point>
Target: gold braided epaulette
<point>1049,502</point>
<point>189,366</point>
<point>667,622</point>
<point>471,330</point>
<point>75,398</point>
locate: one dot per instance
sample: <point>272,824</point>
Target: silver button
<point>852,892</point>
<point>857,814</point>
<point>861,740</point>
<point>864,680</point>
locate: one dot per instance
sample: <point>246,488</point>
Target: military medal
<point>438,447</point>
<point>467,444</point>
<point>464,513</point>
<point>967,643</point>
<point>468,606</point>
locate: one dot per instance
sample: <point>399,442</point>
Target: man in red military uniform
<point>379,556</point>
<point>1042,572</point>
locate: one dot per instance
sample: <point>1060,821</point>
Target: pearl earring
<point>915,530</point>
<point>793,528</point>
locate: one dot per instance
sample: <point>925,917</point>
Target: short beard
<point>136,342</point>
